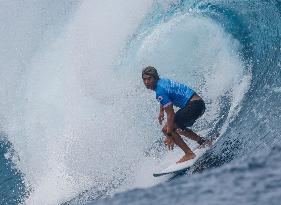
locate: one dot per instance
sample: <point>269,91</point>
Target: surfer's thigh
<point>187,116</point>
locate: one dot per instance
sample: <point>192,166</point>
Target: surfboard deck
<point>179,167</point>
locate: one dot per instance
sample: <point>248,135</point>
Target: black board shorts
<point>186,117</point>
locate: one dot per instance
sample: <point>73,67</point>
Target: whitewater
<point>78,126</point>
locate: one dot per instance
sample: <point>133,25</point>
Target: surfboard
<point>179,167</point>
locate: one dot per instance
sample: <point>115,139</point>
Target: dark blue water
<point>244,165</point>
<point>12,190</point>
<point>251,180</point>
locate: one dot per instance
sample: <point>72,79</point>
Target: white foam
<point>67,118</point>
<point>277,89</point>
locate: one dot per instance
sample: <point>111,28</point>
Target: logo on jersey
<point>160,98</point>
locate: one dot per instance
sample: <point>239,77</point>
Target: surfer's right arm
<point>161,115</point>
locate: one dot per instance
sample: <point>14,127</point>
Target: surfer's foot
<point>187,157</point>
<point>207,143</point>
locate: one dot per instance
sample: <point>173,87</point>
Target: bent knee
<point>164,129</point>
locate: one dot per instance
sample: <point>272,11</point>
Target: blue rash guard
<point>169,92</point>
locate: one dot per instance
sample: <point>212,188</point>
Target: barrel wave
<point>78,126</point>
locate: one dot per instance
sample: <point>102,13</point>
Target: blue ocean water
<point>252,180</point>
<point>54,152</point>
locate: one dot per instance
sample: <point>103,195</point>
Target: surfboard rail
<point>179,167</point>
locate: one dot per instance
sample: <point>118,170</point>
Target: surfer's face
<point>149,82</point>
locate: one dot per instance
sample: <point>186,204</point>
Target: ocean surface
<point>78,127</point>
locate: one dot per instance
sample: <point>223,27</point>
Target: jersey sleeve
<point>163,99</point>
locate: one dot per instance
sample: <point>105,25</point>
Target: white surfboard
<point>178,167</point>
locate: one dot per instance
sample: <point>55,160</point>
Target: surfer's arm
<point>170,118</point>
<point>161,109</point>
<point>161,115</point>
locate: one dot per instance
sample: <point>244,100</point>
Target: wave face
<point>247,101</point>
<point>77,124</point>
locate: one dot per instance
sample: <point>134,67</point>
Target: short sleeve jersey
<point>169,92</point>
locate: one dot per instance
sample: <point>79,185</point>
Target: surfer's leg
<point>192,135</point>
<point>186,117</point>
<point>181,143</point>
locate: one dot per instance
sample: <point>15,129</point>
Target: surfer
<point>192,106</point>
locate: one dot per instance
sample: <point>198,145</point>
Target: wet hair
<point>151,71</point>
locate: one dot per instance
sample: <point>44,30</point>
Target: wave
<point>76,115</point>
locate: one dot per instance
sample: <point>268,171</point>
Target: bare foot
<point>187,157</point>
<point>208,143</point>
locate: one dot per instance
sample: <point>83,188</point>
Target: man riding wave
<point>170,93</point>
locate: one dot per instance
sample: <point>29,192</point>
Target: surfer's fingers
<point>170,146</point>
<point>167,144</point>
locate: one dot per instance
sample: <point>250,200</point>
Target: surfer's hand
<point>161,118</point>
<point>168,141</point>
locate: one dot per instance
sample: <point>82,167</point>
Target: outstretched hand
<point>169,142</point>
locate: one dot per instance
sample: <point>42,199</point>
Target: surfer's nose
<point>146,82</point>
